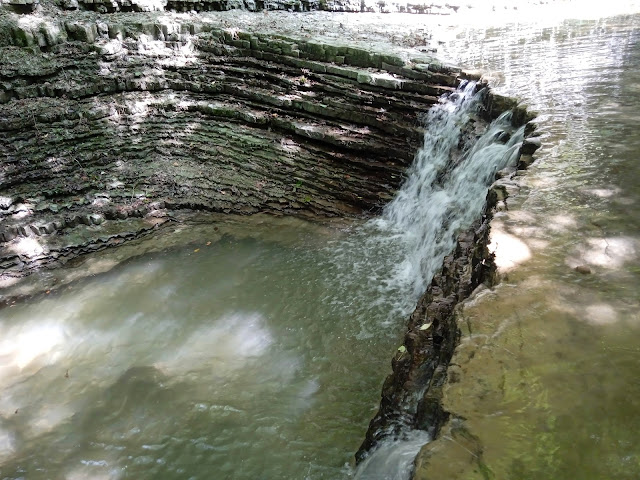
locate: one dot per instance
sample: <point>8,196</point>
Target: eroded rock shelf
<point>110,127</point>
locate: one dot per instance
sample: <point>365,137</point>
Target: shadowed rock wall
<point>107,128</point>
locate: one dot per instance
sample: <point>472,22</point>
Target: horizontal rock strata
<point>107,128</point>
<point>110,6</point>
<point>110,125</point>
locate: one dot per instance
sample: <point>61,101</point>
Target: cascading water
<point>249,359</point>
<point>444,192</point>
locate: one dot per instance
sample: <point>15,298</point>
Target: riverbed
<point>547,372</point>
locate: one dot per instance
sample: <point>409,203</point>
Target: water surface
<point>224,358</point>
<point>553,389</point>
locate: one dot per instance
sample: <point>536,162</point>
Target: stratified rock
<point>104,119</point>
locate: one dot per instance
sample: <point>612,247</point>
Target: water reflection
<point>229,356</point>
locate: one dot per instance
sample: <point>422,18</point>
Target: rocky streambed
<point>114,125</point>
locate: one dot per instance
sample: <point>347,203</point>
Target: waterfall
<point>443,194</point>
<point>445,189</point>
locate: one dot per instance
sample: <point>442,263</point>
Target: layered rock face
<point>383,6</point>
<point>108,128</point>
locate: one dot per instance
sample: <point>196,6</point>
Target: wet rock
<point>49,228</point>
<point>96,219</point>
<point>412,394</point>
<point>9,233</point>
<point>457,454</point>
<point>498,104</point>
<point>584,269</point>
<point>503,137</point>
<point>500,192</point>
<point>525,161</point>
<point>82,32</point>
<point>530,145</point>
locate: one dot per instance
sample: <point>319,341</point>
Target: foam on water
<point>393,460</point>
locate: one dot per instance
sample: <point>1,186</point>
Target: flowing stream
<point>553,390</point>
<point>246,355</point>
<point>235,354</point>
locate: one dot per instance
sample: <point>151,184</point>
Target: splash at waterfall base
<point>296,128</point>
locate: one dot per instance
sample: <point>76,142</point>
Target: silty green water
<point>239,359</point>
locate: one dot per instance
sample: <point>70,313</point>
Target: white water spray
<point>444,193</point>
<point>445,190</point>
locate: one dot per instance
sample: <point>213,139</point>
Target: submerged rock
<point>530,145</point>
<point>584,269</point>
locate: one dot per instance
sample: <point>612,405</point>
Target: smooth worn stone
<point>530,145</point>
<point>584,269</point>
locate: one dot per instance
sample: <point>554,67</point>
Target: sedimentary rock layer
<point>107,128</point>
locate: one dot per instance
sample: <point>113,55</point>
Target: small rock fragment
<point>584,269</point>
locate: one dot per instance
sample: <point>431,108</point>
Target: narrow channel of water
<point>235,357</point>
